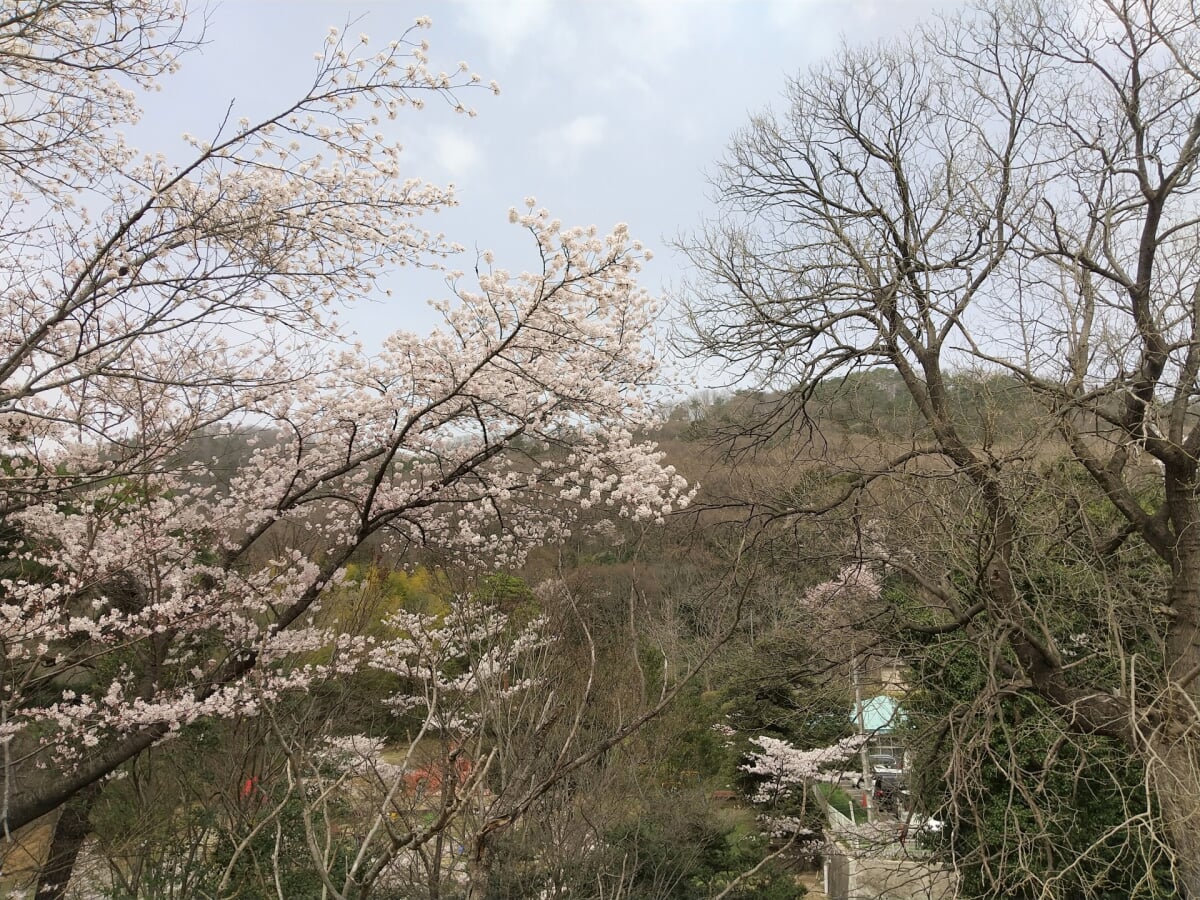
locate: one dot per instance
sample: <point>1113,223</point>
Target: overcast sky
<point>609,111</point>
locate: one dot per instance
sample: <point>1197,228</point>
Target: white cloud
<point>455,154</point>
<point>508,27</point>
<point>563,145</point>
<point>857,20</point>
<point>583,131</point>
<point>790,14</point>
<point>659,30</point>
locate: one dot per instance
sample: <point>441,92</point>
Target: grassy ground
<point>837,798</point>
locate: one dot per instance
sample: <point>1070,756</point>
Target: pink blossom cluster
<point>150,304</point>
<point>855,585</point>
<point>786,769</point>
<point>458,661</point>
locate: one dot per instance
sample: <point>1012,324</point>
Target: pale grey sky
<point>609,111</point>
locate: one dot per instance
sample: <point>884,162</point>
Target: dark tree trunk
<point>70,832</point>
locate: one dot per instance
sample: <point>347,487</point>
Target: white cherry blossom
<point>150,305</point>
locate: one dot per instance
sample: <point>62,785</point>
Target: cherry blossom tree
<point>408,811</point>
<point>787,770</point>
<point>148,300</point>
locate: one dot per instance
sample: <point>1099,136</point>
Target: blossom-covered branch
<point>786,769</point>
<point>153,307</point>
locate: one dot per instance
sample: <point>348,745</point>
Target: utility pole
<point>863,753</point>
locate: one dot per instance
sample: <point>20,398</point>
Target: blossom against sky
<point>608,112</point>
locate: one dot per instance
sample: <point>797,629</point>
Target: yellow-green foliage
<point>372,593</point>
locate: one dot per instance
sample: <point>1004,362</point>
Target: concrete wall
<point>861,875</point>
<point>898,879</point>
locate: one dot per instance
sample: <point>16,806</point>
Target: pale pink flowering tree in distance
<point>147,301</point>
<point>787,770</point>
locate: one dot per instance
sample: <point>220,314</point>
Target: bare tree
<point>1011,194</point>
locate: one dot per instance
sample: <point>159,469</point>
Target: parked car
<point>880,762</point>
<point>927,824</point>
<point>889,786</point>
<point>925,827</point>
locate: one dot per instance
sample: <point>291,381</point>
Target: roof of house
<point>881,714</point>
